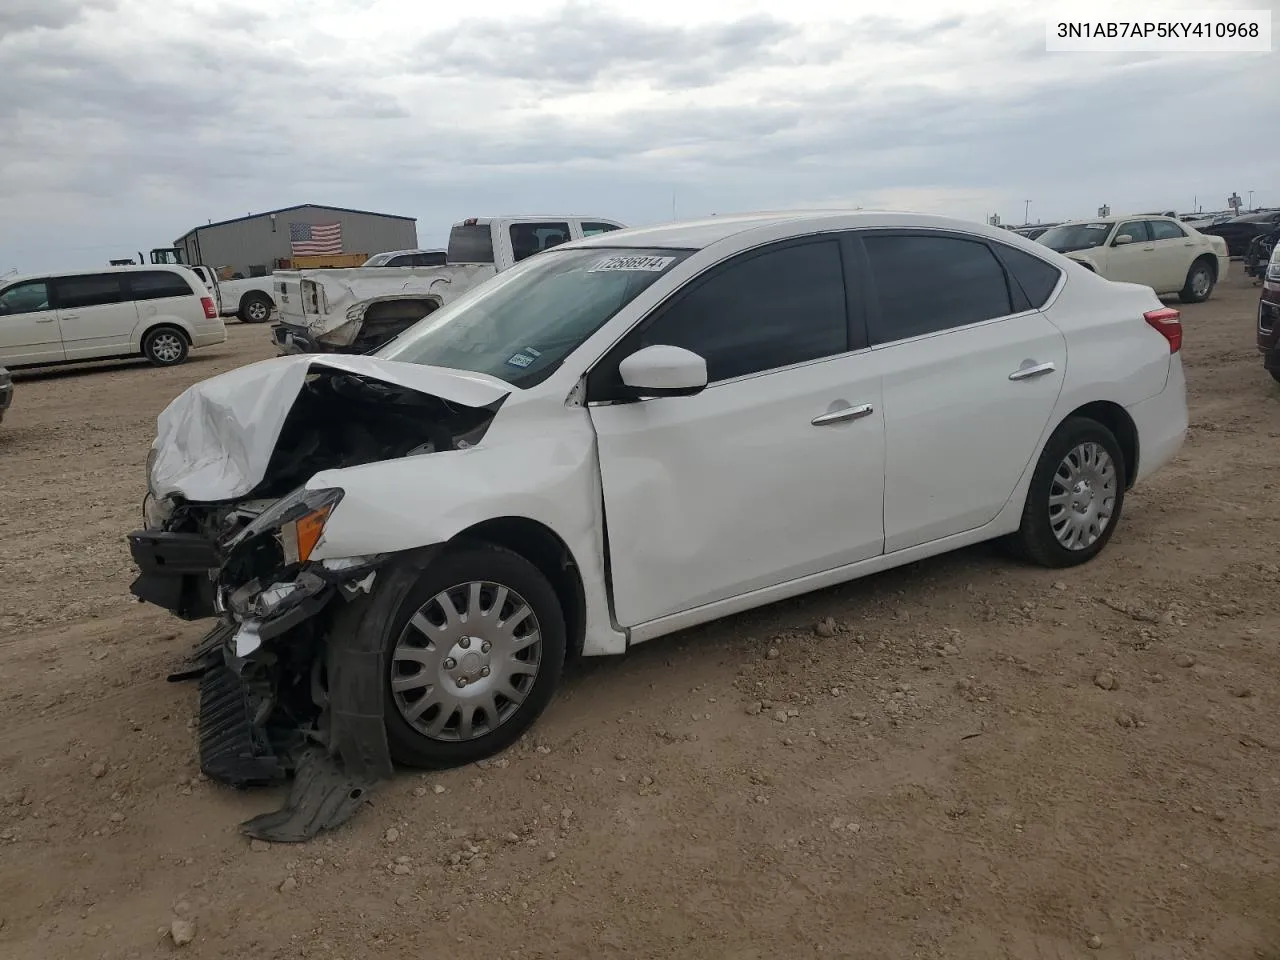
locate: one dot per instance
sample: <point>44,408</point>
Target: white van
<point>158,311</point>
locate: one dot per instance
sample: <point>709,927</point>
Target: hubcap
<point>166,347</point>
<point>1082,496</point>
<point>466,661</point>
<point>1200,282</point>
<point>257,310</point>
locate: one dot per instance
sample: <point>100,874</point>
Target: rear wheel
<point>1199,283</point>
<point>255,308</point>
<point>1075,497</point>
<point>165,346</point>
<point>473,656</point>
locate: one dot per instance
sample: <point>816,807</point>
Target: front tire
<point>1199,285</point>
<point>472,657</point>
<point>165,346</point>
<point>1075,498</point>
<point>255,308</point>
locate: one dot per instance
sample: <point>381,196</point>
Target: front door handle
<point>842,415</point>
<point>50,319</point>
<point>1034,370</point>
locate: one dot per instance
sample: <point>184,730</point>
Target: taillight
<point>210,312</point>
<point>1168,322</point>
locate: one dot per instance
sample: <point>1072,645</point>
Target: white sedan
<point>1157,252</point>
<point>627,436</point>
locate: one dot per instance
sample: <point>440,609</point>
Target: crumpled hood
<point>214,441</point>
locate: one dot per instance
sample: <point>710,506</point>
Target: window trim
<point>856,330</point>
<point>1011,285</point>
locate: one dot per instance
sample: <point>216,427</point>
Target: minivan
<point>157,311</point>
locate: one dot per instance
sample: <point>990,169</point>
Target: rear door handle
<point>843,415</point>
<point>1034,370</point>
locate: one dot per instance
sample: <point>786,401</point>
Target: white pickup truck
<point>358,309</point>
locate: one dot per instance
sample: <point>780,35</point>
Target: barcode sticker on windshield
<point>649,264</point>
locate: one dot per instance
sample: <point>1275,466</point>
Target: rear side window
<point>158,284</point>
<point>592,229</point>
<point>1165,230</point>
<point>926,284</point>
<point>90,290</point>
<point>530,238</point>
<point>1037,278</point>
<point>470,243</point>
<point>764,311</point>
<point>434,258</point>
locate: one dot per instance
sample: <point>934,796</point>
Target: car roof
<point>400,253</point>
<point>702,233</point>
<point>1117,218</point>
<point>92,271</point>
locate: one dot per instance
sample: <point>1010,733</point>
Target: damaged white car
<point>619,438</point>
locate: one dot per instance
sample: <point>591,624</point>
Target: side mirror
<point>663,371</point>
<point>1121,240</point>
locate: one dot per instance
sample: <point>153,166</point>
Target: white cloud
<point>126,124</point>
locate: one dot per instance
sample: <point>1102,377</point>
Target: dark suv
<point>1269,316</point>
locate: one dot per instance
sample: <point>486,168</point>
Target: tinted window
<point>404,260</point>
<point>92,290</point>
<point>927,283</point>
<point>761,312</point>
<point>530,238</point>
<point>1165,230</point>
<point>156,284</point>
<point>591,229</point>
<point>1036,277</point>
<point>1075,236</point>
<point>257,270</point>
<point>470,243</point>
<point>28,297</point>
<point>432,258</point>
<point>1134,228</point>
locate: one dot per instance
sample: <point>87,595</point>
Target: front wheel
<point>1199,283</point>
<point>472,657</point>
<point>1075,497</point>
<point>165,346</point>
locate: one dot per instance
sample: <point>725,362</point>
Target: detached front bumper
<point>176,571</point>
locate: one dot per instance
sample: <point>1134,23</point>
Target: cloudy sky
<point>127,122</point>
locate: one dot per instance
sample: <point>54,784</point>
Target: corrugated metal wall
<point>253,242</point>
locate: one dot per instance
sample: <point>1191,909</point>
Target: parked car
<point>248,298</point>
<point>1238,231</point>
<point>618,439</point>
<point>1258,254</point>
<point>1158,252</point>
<point>160,312</point>
<point>6,392</point>
<point>357,310</point>
<point>1269,316</point>
<point>407,258</point>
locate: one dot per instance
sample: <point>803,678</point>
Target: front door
<point>775,471</point>
<point>1133,262</point>
<point>968,386</point>
<point>96,316</point>
<point>28,326</point>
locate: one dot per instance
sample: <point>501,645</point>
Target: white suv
<point>160,312</point>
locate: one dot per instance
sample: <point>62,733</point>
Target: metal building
<point>255,245</point>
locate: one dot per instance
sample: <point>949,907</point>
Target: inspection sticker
<point>650,264</point>
<point>519,360</point>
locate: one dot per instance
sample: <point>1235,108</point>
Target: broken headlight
<point>297,518</point>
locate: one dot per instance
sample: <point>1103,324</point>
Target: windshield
<point>1075,236</point>
<point>522,324</point>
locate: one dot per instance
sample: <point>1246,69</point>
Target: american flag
<point>306,239</point>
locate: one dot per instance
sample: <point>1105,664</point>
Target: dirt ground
<point>986,760</point>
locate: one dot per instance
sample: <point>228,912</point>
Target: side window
<point>592,229</point>
<point>158,284</point>
<point>257,270</point>
<point>29,297</point>
<point>433,259</point>
<point>1037,278</point>
<point>404,260</point>
<point>761,312</point>
<point>1134,228</point>
<point>926,284</point>
<point>530,238</point>
<point>1165,230</point>
<point>89,290</point>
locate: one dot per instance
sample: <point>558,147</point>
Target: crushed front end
<point>268,708</point>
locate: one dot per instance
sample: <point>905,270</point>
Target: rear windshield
<point>470,243</point>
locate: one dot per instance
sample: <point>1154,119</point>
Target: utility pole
<point>1250,199</point>
<point>1026,211</point>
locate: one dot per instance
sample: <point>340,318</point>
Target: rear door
<point>29,330</point>
<point>971,377</point>
<point>96,315</point>
<point>1174,251</point>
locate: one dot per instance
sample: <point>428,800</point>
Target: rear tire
<point>1200,283</point>
<point>255,308</point>
<point>165,346</point>
<point>1075,498</point>
<point>430,666</point>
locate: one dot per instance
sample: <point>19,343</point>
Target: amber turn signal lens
<point>309,530</point>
